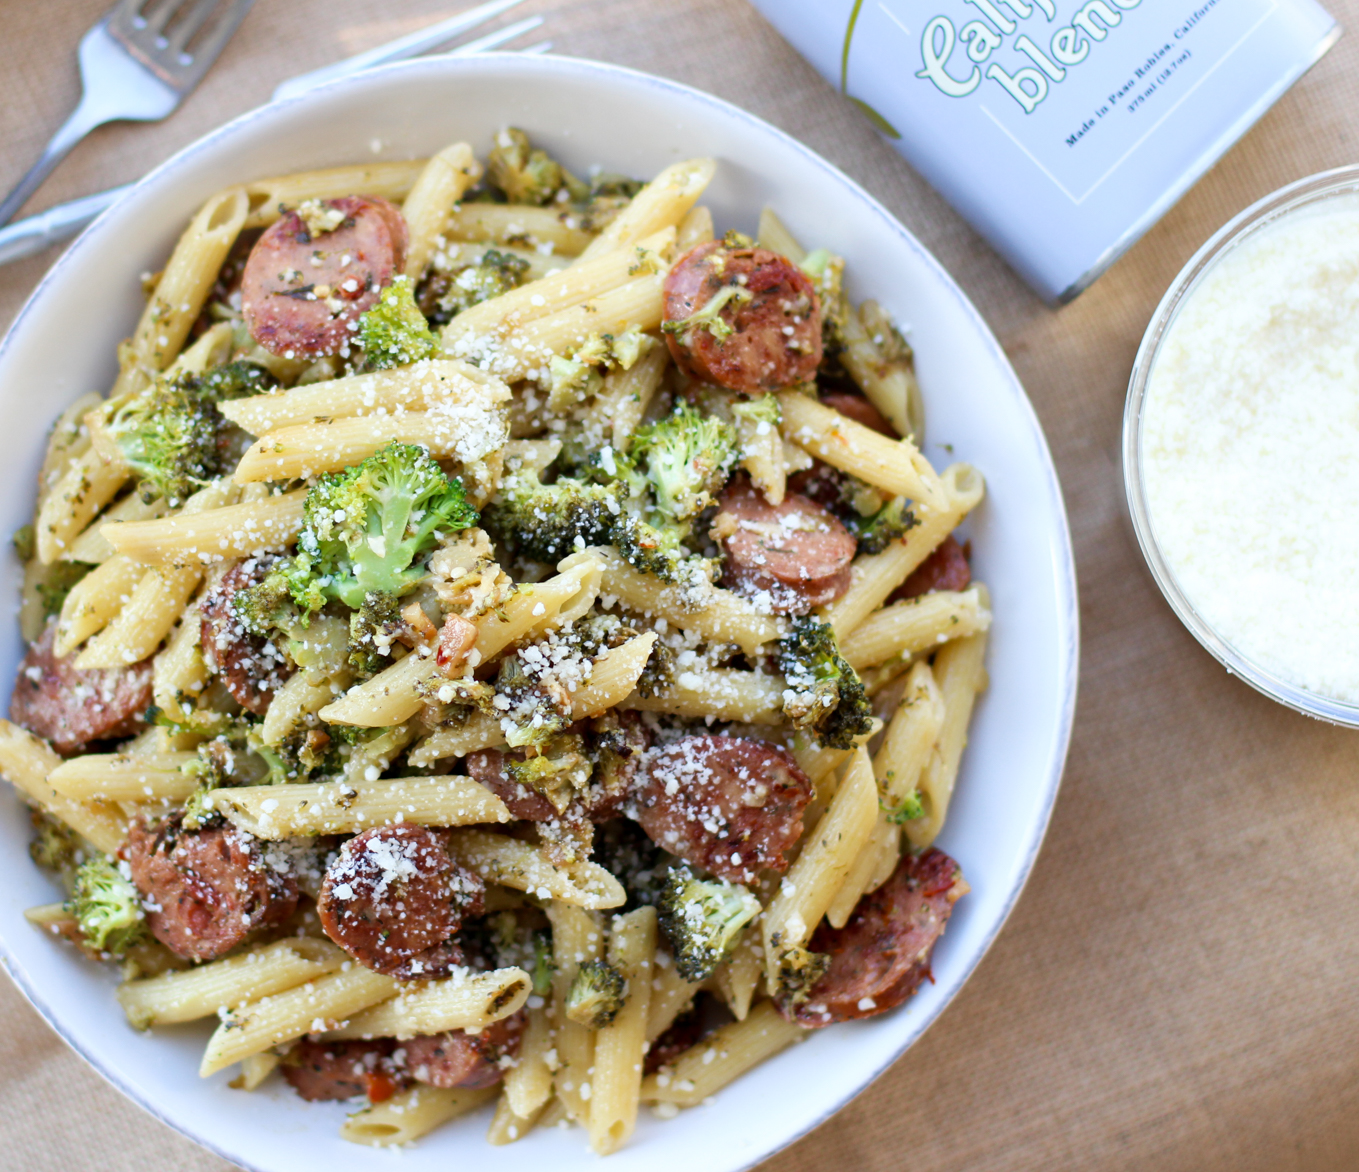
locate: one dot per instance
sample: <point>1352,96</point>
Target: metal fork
<point>34,233</point>
<point>137,63</point>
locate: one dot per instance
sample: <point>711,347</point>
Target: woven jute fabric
<point>1177,987</point>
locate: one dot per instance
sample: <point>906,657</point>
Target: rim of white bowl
<point>1068,614</point>
<point>1264,212</point>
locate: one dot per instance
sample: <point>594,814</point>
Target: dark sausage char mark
<point>251,667</point>
<point>209,889</point>
<point>945,569</point>
<point>323,1072</point>
<point>726,804</point>
<point>72,708</point>
<point>758,324</point>
<point>393,900</point>
<point>459,1059</point>
<point>791,557</point>
<point>302,293</point>
<point>882,954</point>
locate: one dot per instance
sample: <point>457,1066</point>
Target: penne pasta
<point>469,1003</point>
<point>627,394</point>
<point>671,995</point>
<point>545,230</point>
<point>123,777</point>
<point>498,858</point>
<point>93,547</point>
<point>662,203</point>
<point>528,1083</point>
<point>578,936</point>
<point>26,762</point>
<point>391,181</point>
<point>620,1046</point>
<point>407,1116</point>
<point>87,485</point>
<point>244,530</point>
<point>722,693</point>
<point>95,601</point>
<point>911,736</point>
<point>442,183</point>
<point>919,624</point>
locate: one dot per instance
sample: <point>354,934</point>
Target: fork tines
<point>176,39</point>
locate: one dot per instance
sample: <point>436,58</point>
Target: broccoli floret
<point>762,410</point>
<point>687,457</point>
<point>373,629</point>
<point>445,295</point>
<point>527,174</point>
<point>910,810</point>
<point>54,845</point>
<point>107,906</point>
<point>876,532</point>
<point>703,919</point>
<point>546,522</point>
<point>827,273</point>
<point>25,542</point>
<point>709,315</point>
<point>169,433</point>
<point>543,965</point>
<point>367,529</point>
<point>824,693</point>
<point>559,772</point>
<point>56,584</point>
<point>596,995</point>
<point>799,969</point>
<point>394,332</point>
<point>269,604</point>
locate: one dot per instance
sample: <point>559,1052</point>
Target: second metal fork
<point>137,63</point>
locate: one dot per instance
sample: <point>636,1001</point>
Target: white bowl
<point>63,344</point>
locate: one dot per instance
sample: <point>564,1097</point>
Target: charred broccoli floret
<point>546,522</point>
<point>394,332</point>
<point>528,174</point>
<point>169,433</point>
<point>445,295</point>
<point>824,694</point>
<point>369,529</point>
<point>876,532</point>
<point>703,919</point>
<point>799,969</point>
<point>596,995</point>
<point>107,906</point>
<point>373,629</point>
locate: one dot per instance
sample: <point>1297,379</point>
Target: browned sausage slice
<point>251,667</point>
<point>209,888</point>
<point>791,556</point>
<point>323,1072</point>
<point>71,708</point>
<point>459,1059</point>
<point>726,804</point>
<point>859,409</point>
<point>945,569</point>
<point>744,318</point>
<point>882,954</point>
<point>303,291</point>
<point>393,900</point>
<point>487,766</point>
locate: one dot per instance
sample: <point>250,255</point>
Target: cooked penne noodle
<point>773,234</point>
<point>612,677</point>
<point>469,1003</point>
<point>178,673</point>
<point>244,530</point>
<point>188,278</point>
<point>911,736</point>
<point>67,442</point>
<point>528,1083</point>
<point>919,624</point>
<point>466,735</point>
<point>696,228</point>
<point>442,183</point>
<point>300,698</point>
<point>577,936</point>
<point>620,1046</point>
<point>671,995</point>
<point>342,807</point>
<point>721,692</point>
<point>895,466</point>
<point>87,485</point>
<point>738,977</point>
<point>95,601</point>
<point>539,299</point>
<point>546,230</point>
<point>254,1070</point>
<point>309,1008</point>
<point>93,547</point>
<point>627,394</point>
<point>203,991</point>
<point>407,1116</point>
<point>960,670</point>
<point>715,613</point>
<point>497,858</point>
<point>827,857</point>
<point>309,449</point>
<point>151,610</point>
<point>507,1127</point>
<point>662,203</point>
<point>890,386</point>
<point>391,181</point>
<point>122,777</point>
<point>26,761</point>
<point>875,576</point>
<point>870,870</point>
<point>723,1056</point>
<point>422,386</point>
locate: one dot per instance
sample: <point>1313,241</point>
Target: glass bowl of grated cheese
<point>1241,446</point>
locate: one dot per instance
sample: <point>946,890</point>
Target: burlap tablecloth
<point>1176,987</point>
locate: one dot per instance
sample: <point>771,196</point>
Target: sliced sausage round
<point>323,1072</point>
<point>394,899</point>
<point>459,1059</point>
<point>882,954</point>
<point>945,569</point>
<point>251,667</point>
<point>205,890</point>
<point>728,805</point>
<point>487,766</point>
<point>859,409</point>
<point>684,1032</point>
<point>71,707</point>
<point>744,318</point>
<point>792,556</point>
<point>304,287</point>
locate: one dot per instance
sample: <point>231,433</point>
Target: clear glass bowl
<point>1344,181</point>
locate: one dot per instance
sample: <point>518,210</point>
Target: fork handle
<point>82,120</point>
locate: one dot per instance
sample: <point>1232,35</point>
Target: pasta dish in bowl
<point>501,639</point>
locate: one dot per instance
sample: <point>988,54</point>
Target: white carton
<point>1061,129</point>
